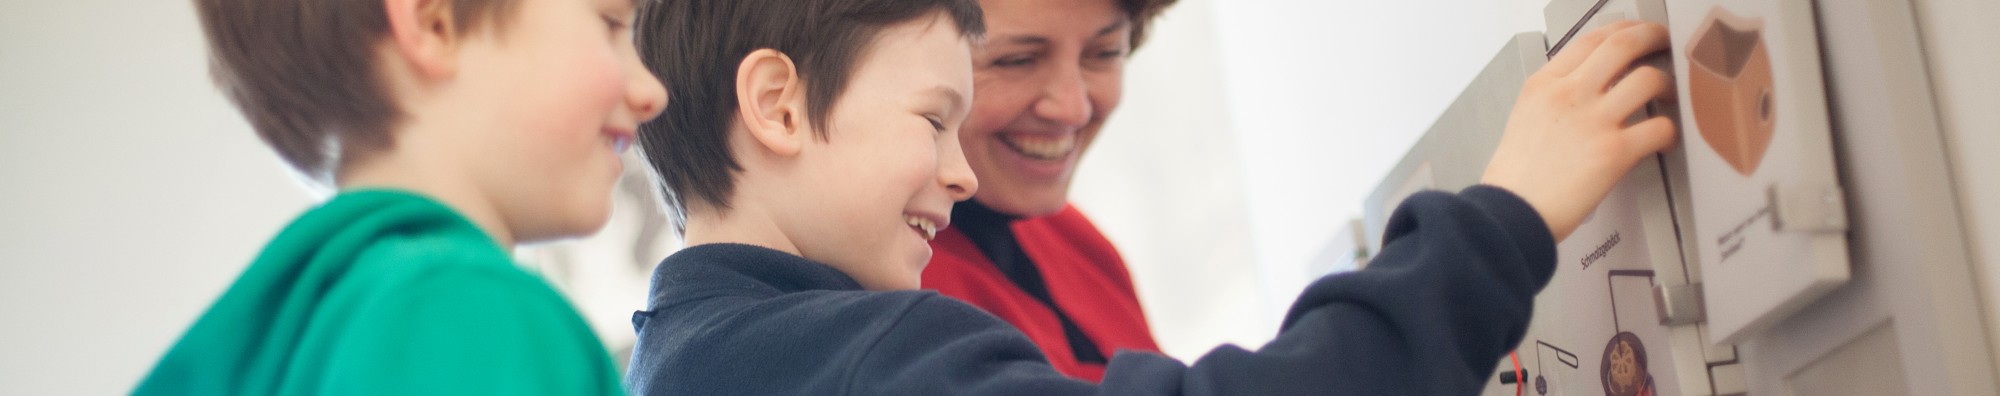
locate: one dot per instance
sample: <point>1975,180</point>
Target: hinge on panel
<point>1808,208</point>
<point>1678,305</point>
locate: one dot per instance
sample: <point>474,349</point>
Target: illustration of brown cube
<point>1730,87</point>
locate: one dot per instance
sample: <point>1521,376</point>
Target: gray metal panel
<point>1564,15</point>
<point>1911,270</point>
<point>1958,39</point>
<point>1453,153</point>
<point>1565,18</point>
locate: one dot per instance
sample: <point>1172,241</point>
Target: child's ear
<point>770,101</point>
<point>424,33</point>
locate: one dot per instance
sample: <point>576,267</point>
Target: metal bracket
<point>1678,305</point>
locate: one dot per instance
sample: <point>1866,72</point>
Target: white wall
<point>1164,182</point>
<point>133,193</point>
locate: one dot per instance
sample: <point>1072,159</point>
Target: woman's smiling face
<point>1046,77</point>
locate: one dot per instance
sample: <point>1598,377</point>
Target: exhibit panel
<point>1769,212</point>
<point>1806,237</point>
<point>1599,324</point>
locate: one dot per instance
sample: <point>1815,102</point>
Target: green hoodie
<point>383,292</point>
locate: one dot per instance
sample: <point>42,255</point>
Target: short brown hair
<point>1142,13</point>
<point>695,46</point>
<point>303,72</point>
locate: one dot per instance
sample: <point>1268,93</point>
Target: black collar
<point>729,268</point>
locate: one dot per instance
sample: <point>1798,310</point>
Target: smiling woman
<point>1047,76</point>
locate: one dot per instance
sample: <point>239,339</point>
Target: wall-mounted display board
<point>1769,212</point>
<point>1895,313</point>
<point>1621,316</point>
<point>1597,327</point>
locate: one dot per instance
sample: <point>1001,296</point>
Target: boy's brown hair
<point>304,72</point>
<point>695,46</point>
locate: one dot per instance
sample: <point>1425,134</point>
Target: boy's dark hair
<point>304,72</point>
<point>695,47</point>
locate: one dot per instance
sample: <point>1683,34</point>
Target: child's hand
<point>1567,142</point>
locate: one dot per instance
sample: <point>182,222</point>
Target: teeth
<point>1043,147</point>
<point>922,224</point>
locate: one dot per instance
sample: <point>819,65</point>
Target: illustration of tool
<point>1730,87</point>
<point>1623,369</point>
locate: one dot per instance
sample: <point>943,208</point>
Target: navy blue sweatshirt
<point>1449,294</point>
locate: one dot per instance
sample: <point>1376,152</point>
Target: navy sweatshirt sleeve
<point>1449,295</point>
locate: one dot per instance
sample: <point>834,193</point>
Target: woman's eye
<point>1014,61</point>
<point>1110,54</point>
<point>613,22</point>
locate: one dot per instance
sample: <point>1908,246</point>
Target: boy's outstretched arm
<point>1450,293</point>
<point>1431,315</point>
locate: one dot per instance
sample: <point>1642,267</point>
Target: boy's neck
<point>396,169</point>
<point>742,224</point>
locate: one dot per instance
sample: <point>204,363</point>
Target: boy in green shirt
<point>453,130</point>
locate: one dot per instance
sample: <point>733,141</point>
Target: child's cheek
<point>606,80</point>
<point>592,85</point>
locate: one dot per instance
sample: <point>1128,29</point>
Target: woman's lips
<point>1034,157</point>
<point>1039,146</point>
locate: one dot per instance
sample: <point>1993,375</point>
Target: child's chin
<point>585,223</point>
<point>915,275</point>
<point>907,283</point>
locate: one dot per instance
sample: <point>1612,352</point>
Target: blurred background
<point>1250,133</point>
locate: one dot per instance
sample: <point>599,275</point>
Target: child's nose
<point>644,93</point>
<point>955,173</point>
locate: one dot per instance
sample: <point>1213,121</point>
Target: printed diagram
<point>1562,356</point>
<point>1623,368</point>
<point>1730,85</point>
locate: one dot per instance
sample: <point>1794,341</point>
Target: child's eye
<point>613,22</point>
<point>1110,54</point>
<point>936,123</point>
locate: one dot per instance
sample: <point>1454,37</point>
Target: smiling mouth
<point>924,227</point>
<point>620,144</point>
<point>618,140</point>
<point>1043,147</point>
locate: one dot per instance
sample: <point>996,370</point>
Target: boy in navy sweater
<point>811,150</point>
